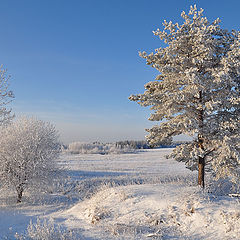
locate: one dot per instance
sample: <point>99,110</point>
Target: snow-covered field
<point>124,196</point>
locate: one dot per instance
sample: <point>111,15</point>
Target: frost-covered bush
<point>224,186</point>
<point>98,148</point>
<point>82,147</point>
<point>46,230</point>
<point>28,148</point>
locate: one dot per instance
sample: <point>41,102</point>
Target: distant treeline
<point>133,144</point>
<point>142,144</point>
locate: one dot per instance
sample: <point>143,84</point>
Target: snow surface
<point>126,196</point>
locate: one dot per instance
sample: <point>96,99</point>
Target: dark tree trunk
<point>201,164</point>
<point>201,159</point>
<point>19,193</point>
<point>201,171</point>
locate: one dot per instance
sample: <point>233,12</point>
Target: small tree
<point>197,93</point>
<point>28,148</point>
<point>6,97</point>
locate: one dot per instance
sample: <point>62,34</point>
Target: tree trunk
<point>201,164</point>
<point>201,159</point>
<point>19,193</point>
<point>201,171</point>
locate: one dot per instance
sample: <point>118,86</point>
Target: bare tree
<point>28,148</point>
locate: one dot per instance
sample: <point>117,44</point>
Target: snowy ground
<point>127,196</point>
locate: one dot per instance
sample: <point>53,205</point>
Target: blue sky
<point>75,63</point>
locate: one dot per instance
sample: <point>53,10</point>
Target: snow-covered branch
<point>197,92</point>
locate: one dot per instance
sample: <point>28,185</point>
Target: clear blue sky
<point>75,62</point>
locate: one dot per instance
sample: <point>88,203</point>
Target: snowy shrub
<point>98,148</point>
<point>46,230</point>
<point>224,186</point>
<point>28,148</point>
<point>85,148</point>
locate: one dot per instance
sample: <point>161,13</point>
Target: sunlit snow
<point>126,196</point>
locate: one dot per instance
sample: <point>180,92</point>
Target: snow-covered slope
<point>168,211</point>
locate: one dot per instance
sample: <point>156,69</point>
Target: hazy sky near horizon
<point>75,62</point>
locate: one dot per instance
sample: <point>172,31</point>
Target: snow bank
<point>157,211</point>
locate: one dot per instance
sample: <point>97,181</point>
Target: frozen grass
<point>46,230</point>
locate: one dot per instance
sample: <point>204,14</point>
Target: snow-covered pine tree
<point>197,93</point>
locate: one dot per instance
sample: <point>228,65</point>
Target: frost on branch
<point>6,97</point>
<point>28,148</point>
<point>197,93</point>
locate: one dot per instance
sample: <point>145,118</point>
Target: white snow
<point>135,196</point>
<point>169,210</point>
